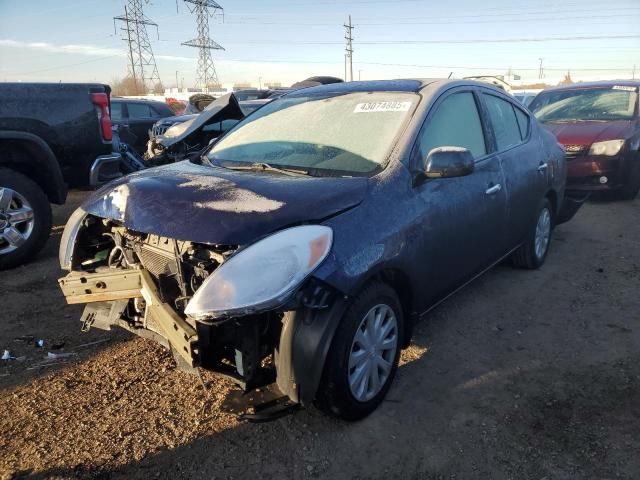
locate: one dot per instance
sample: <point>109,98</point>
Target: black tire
<point>525,256</point>
<point>334,394</point>
<point>629,191</point>
<point>41,216</point>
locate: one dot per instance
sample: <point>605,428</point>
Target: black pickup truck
<point>52,136</point>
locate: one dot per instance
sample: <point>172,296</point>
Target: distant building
<point>241,86</point>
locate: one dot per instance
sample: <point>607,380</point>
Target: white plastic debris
<point>6,355</point>
<point>60,355</point>
<point>40,343</point>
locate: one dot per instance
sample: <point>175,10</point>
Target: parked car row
<point>301,246</point>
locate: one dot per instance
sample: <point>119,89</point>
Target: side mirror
<point>446,162</point>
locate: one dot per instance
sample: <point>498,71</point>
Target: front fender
<point>304,344</point>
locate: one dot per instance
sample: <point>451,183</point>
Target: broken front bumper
<point>107,293</point>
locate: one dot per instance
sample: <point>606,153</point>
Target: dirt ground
<point>523,375</point>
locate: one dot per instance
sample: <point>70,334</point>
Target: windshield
<point>598,104</point>
<point>346,134</point>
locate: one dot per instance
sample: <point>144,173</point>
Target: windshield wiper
<point>265,167</point>
<point>574,120</point>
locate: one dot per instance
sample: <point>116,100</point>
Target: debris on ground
<point>60,355</point>
<point>24,338</point>
<point>121,409</point>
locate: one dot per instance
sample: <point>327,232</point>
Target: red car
<point>598,125</point>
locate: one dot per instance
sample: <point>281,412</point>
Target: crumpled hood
<point>586,133</point>
<point>226,107</point>
<point>219,206</point>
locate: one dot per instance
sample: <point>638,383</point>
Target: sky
<point>289,40</point>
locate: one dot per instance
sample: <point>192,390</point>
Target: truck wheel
<point>363,357</point>
<point>25,218</point>
<point>533,252</point>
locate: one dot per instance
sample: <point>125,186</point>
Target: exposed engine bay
<point>170,272</point>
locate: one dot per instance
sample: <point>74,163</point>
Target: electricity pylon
<point>203,9</point>
<point>142,63</point>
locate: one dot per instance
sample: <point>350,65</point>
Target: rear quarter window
<point>503,119</point>
<point>116,111</point>
<point>523,122</point>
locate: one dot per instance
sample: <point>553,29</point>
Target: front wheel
<point>533,252</point>
<point>363,357</point>
<point>630,189</point>
<point>25,218</point>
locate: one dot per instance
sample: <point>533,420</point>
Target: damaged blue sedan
<point>301,247</point>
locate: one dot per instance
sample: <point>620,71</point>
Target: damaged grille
<point>157,262</point>
<point>574,151</point>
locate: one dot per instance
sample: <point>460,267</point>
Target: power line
<point>59,67</point>
<point>472,19</point>
<point>522,69</point>
<point>333,62</point>
<point>465,41</point>
<point>207,74</point>
<point>559,10</point>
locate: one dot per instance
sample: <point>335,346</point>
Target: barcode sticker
<point>625,88</point>
<point>374,107</point>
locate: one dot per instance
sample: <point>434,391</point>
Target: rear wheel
<point>363,357</point>
<point>533,252</point>
<point>25,218</point>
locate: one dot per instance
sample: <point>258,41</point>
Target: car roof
<point>602,83</point>
<point>138,100</point>
<point>404,85</point>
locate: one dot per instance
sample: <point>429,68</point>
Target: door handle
<point>492,190</point>
<point>543,166</point>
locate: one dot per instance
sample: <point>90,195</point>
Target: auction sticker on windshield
<point>625,88</point>
<point>371,107</point>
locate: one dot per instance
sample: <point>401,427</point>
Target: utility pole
<point>349,49</point>
<point>540,69</point>
<point>142,63</point>
<point>203,9</point>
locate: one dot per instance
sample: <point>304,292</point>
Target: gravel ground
<point>523,375</point>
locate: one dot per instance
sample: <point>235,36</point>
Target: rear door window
<point>455,123</point>
<point>139,110</point>
<point>503,119</point>
<point>160,112</point>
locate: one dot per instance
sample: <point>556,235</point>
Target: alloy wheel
<point>16,220</point>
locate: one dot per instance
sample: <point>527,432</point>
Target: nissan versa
<point>302,246</point>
